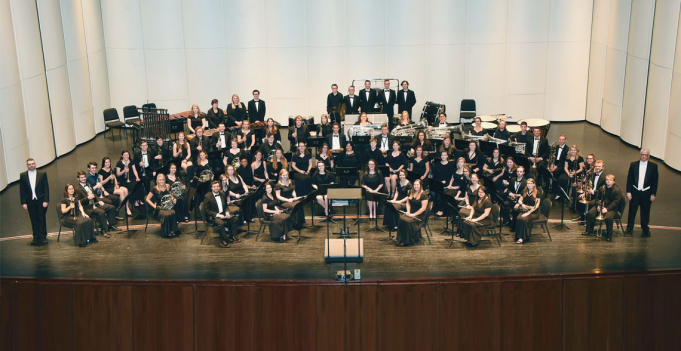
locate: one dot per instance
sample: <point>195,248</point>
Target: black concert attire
<point>166,156</point>
<point>474,161</point>
<point>123,178</point>
<point>501,134</point>
<point>213,204</point>
<point>274,172</point>
<point>106,214</point>
<point>259,172</point>
<point>408,228</point>
<point>217,136</point>
<point>367,100</point>
<point>525,139</point>
<point>386,99</point>
<point>302,134</point>
<point>472,232</point>
<point>109,186</point>
<point>181,206</point>
<point>234,189</point>
<point>394,162</point>
<point>389,218</point>
<point>564,178</point>
<point>611,197</point>
<point>145,172</point>
<point>333,104</point>
<point>33,191</point>
<point>341,140</point>
<point>326,159</point>
<point>352,103</point>
<point>405,101</point>
<point>540,147</point>
<point>111,199</point>
<point>419,167</point>
<point>196,122</point>
<point>277,134</point>
<point>297,218</point>
<point>472,195</point>
<point>266,148</point>
<point>280,224</point>
<point>496,167</point>
<point>641,190</point>
<point>303,182</point>
<point>442,174</point>
<point>373,181</point>
<point>523,225</point>
<point>231,156</point>
<point>200,168</point>
<point>246,174</point>
<point>509,175</point>
<point>376,155</point>
<point>83,227</point>
<point>325,129</point>
<point>215,118</point>
<point>481,132</point>
<point>168,218</point>
<point>248,139</point>
<point>257,110</point>
<point>384,142</point>
<point>238,112</point>
<point>349,160</point>
<point>562,153</point>
<point>194,144</point>
<point>426,145</point>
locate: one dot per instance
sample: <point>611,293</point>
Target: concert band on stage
<point>230,161</point>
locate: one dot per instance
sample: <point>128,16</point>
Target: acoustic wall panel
<point>673,130</point>
<point>634,99</point>
<point>597,57</point>
<point>320,73</point>
<point>409,62</point>
<point>284,23</point>
<point>162,24</point>
<point>525,105</point>
<point>96,52</point>
<point>412,13</point>
<point>3,162</point>
<point>247,70</point>
<point>446,77</point>
<point>365,62</point>
<point>487,21</point>
<point>245,24</point>
<point>528,21</point>
<point>206,77</point>
<point>486,77</point>
<point>367,25</point>
<point>613,90</point>
<point>527,68</point>
<point>570,20</point>
<point>166,75</point>
<point>325,23</point>
<point>122,24</point>
<point>566,80</point>
<point>446,22</point>
<point>202,24</point>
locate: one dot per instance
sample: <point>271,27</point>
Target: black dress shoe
<point>578,219</point>
<point>608,239</point>
<point>118,218</point>
<point>645,234</point>
<point>629,231</point>
<point>113,227</point>
<point>34,243</point>
<point>224,244</point>
<point>589,232</point>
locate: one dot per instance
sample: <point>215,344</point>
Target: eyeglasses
<point>645,154</point>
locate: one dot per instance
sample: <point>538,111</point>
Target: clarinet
<point>101,187</point>
<point>73,210</point>
<point>144,168</point>
<point>127,174</point>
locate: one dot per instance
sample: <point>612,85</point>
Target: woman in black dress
<point>110,182</point>
<point>181,205</point>
<point>470,195</point>
<point>398,200</point>
<point>229,155</point>
<point>374,153</point>
<point>494,166</point>
<point>246,137</point>
<point>244,171</point>
<point>325,156</point>
<point>477,130</point>
<point>324,127</point>
<point>408,228</point>
<point>301,163</point>
<point>237,189</point>
<point>460,178</point>
<point>202,164</point>
<point>322,177</point>
<point>286,194</point>
<point>526,211</point>
<point>182,151</point>
<point>350,159</point>
<point>423,142</point>
<point>479,217</point>
<point>473,157</point>
<point>271,128</point>
<point>372,182</point>
<point>168,218</point>
<point>449,148</point>
<point>126,175</point>
<point>396,161</point>
<point>196,119</point>
<point>236,110</point>
<point>72,213</point>
<point>420,165</point>
<point>573,167</point>
<point>259,169</point>
<point>280,222</point>
<point>507,174</point>
<point>215,115</point>
<point>442,173</point>
<point>277,164</point>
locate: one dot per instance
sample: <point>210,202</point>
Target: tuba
<point>177,188</point>
<point>167,202</point>
<point>206,176</point>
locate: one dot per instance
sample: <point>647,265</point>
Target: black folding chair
<point>263,222</point>
<point>545,209</point>
<point>112,121</point>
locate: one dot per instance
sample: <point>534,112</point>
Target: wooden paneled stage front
<point>611,311</point>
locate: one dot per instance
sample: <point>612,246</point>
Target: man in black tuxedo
<point>367,98</point>
<point>641,190</point>
<point>524,137</point>
<point>256,108</point>
<point>215,207</point>
<point>95,207</point>
<point>220,140</point>
<point>336,140</point>
<point>611,197</point>
<point>160,153</point>
<point>93,178</point>
<point>512,192</point>
<point>384,140</point>
<point>34,193</point>
<point>143,161</point>
<point>333,104</point>
<point>562,150</point>
<point>598,182</point>
<point>199,143</point>
<point>386,99</point>
<point>406,99</point>
<point>539,153</point>
<point>351,102</point>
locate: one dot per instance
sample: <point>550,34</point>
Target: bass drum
<point>291,121</point>
<point>309,120</point>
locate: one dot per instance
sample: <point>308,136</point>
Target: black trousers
<point>642,199</point>
<point>227,227</point>
<point>105,214</point>
<point>591,219</point>
<point>37,212</point>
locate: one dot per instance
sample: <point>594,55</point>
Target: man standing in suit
<point>35,195</point>
<point>333,104</point>
<point>641,190</point>
<point>406,99</point>
<point>367,98</point>
<point>215,207</point>
<point>351,102</point>
<point>387,98</point>
<point>256,108</point>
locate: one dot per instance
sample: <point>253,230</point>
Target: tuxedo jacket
<point>205,145</point>
<point>521,187</point>
<point>302,136</point>
<point>379,141</point>
<point>82,193</point>
<point>214,141</point>
<point>563,156</point>
<point>42,189</point>
<point>407,104</point>
<point>601,180</point>
<point>351,109</point>
<point>543,151</point>
<point>367,105</point>
<point>329,140</point>
<point>650,180</point>
<point>259,114</point>
<point>210,204</point>
<point>387,102</point>
<point>163,151</point>
<point>150,162</point>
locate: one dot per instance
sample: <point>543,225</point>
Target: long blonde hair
<point>534,190</point>
<point>191,110</point>
<point>417,195</point>
<point>237,96</point>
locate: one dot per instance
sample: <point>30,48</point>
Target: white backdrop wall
<point>525,57</point>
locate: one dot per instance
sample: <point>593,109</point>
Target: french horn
<point>167,202</point>
<point>177,188</point>
<point>206,176</point>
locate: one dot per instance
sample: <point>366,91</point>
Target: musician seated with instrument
<point>298,133</point>
<point>477,130</point>
<point>441,121</point>
<point>245,172</point>
<point>221,140</point>
<point>217,213</point>
<point>259,169</point>
<point>336,140</point>
<point>324,127</point>
<point>349,159</point>
<point>501,132</point>
<point>96,182</point>
<point>526,211</point>
<point>605,204</point>
<point>245,136</point>
<point>322,177</point>
<point>196,119</point>
<point>325,156</point>
<point>449,148</point>
<point>236,110</point>
<point>280,222</point>
<point>573,167</point>
<point>269,146</point>
<point>396,161</point>
<point>96,207</point>
<point>286,193</point>
<point>182,151</point>
<point>474,159</point>
<point>398,200</point>
<point>409,224</point>
<point>163,202</point>
<point>271,128</point>
<point>110,182</point>
<point>420,165</point>
<point>478,218</point>
<point>236,190</point>
<point>233,154</point>
<point>372,152</point>
<point>203,170</point>
<point>196,144</point>
<point>421,140</point>
<point>494,166</point>
<point>470,195</point>
<point>507,175</point>
<point>277,163</point>
<point>179,191</point>
<point>160,153</point>
<point>74,216</point>
<point>363,120</point>
<point>405,120</point>
<point>372,182</point>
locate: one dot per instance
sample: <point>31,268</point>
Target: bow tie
<point>221,134</point>
<point>387,90</point>
<point>335,136</point>
<point>536,138</point>
<point>216,195</point>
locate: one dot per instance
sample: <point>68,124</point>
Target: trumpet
<point>127,171</point>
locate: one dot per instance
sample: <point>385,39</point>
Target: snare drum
<point>513,128</point>
<point>540,123</point>
<point>488,125</point>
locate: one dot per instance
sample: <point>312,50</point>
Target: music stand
<point>453,204</point>
<point>563,196</point>
<point>247,202</point>
<point>215,157</point>
<point>360,140</point>
<point>315,142</point>
<point>494,195</point>
<point>323,190</point>
<point>201,188</point>
<point>487,147</point>
<point>122,205</point>
<point>436,143</point>
<point>388,206</point>
<point>375,197</point>
<point>412,176</point>
<point>461,144</point>
<point>300,207</point>
<point>506,150</point>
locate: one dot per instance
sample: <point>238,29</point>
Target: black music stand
<point>300,207</point>
<point>375,197</point>
<point>246,202</point>
<point>453,205</point>
<point>506,150</point>
<point>315,142</point>
<point>388,206</point>
<point>412,176</point>
<point>496,198</point>
<point>439,188</point>
<point>215,158</point>
<point>344,197</point>
<point>436,144</point>
<point>322,190</point>
<point>360,140</point>
<point>405,141</point>
<point>487,147</point>
<point>201,188</point>
<point>122,205</point>
<point>461,144</point>
<point>563,196</point>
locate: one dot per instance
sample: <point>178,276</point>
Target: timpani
<point>540,123</point>
<point>513,128</point>
<point>488,125</point>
